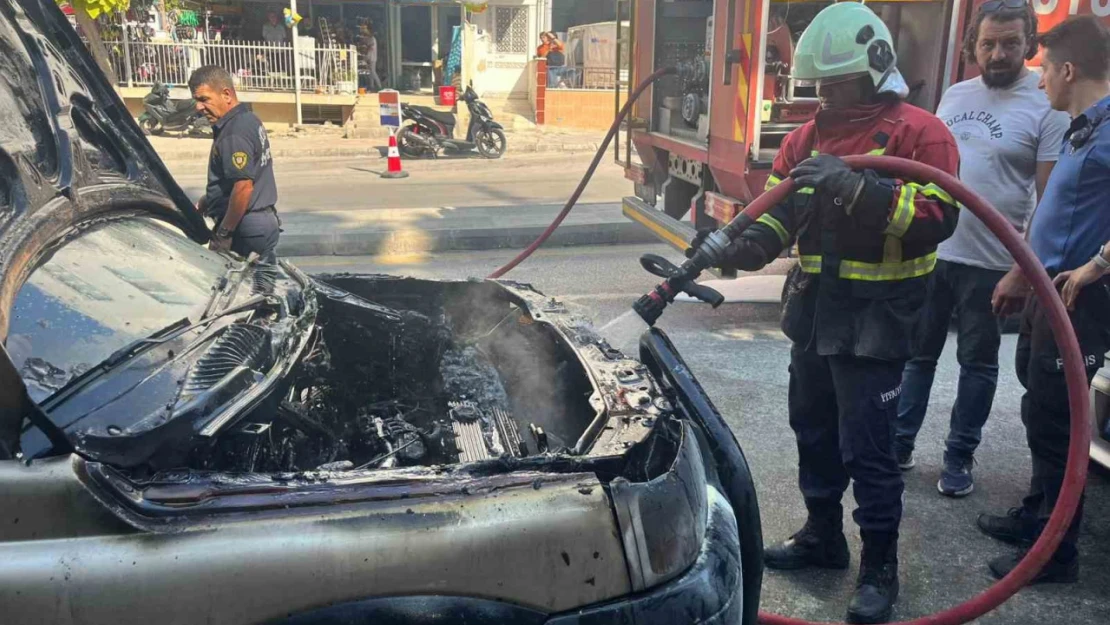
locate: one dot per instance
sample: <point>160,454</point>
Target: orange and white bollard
<point>393,156</point>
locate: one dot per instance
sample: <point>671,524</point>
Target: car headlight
<point>662,521</point>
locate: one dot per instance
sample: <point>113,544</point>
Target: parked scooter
<point>432,131</point>
<point>163,114</point>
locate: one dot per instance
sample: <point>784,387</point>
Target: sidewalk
<point>329,141</point>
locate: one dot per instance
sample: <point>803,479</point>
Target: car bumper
<point>1100,416</point>
<point>709,592</point>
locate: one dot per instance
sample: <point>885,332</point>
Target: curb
<point>399,242</point>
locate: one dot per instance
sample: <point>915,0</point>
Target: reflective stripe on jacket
<point>857,290</point>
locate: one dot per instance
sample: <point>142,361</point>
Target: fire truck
<point>699,144</point>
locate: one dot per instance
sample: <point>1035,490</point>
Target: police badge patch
<point>239,160</point>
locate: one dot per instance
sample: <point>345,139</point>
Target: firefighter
<point>867,244</point>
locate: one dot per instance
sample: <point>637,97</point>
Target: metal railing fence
<point>254,66</point>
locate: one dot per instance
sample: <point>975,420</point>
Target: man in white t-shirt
<point>1009,138</point>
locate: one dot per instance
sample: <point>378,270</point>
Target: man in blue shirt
<point>1069,234</point>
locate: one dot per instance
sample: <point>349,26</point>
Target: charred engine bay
<point>405,372</point>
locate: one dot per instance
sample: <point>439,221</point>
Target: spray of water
<point>623,331</point>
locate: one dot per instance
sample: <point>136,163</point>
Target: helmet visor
<point>835,80</point>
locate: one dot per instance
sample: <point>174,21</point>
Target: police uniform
<point>851,304</point>
<point>241,151</point>
<point>1069,227</point>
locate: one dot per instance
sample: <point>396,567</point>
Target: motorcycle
<point>162,114</point>
<point>432,131</point>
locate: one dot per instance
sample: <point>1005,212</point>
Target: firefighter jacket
<point>860,282</point>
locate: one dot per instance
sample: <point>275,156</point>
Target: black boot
<point>1017,527</point>
<point>877,584</point>
<point>1058,570</point>
<point>820,543</point>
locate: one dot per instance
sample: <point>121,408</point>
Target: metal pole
<point>127,55</point>
<point>396,37</point>
<point>631,67</point>
<point>435,35</point>
<point>617,82</point>
<point>296,63</point>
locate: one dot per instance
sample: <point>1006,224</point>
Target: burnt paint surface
<point>504,544</point>
<point>709,592</point>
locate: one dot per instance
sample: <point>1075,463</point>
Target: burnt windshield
<point>107,286</point>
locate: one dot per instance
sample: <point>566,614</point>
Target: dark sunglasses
<point>994,6</point>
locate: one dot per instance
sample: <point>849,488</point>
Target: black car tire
<point>491,142</point>
<point>151,126</point>
<point>409,146</point>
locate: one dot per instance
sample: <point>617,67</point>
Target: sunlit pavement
<point>335,206</point>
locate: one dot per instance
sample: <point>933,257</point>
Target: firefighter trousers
<point>1044,406</point>
<point>843,411</point>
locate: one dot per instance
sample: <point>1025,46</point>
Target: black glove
<point>743,254</point>
<point>698,239</point>
<point>831,176</point>
<point>861,194</point>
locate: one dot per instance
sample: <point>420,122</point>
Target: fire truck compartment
<point>683,36</point>
<point>714,127</point>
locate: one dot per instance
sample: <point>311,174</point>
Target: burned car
<point>190,437</point>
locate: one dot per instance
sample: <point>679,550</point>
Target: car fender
<point>658,353</point>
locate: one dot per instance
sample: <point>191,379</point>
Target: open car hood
<point>64,127</point>
<point>69,151</point>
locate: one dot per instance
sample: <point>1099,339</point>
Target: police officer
<point>1070,234</point>
<point>867,245</point>
<point>241,192</point>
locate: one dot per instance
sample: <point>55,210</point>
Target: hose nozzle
<point>677,280</point>
<point>712,252</point>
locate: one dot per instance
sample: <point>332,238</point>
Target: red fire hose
<point>1076,473</point>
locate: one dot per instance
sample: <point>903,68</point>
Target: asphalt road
<point>743,368</point>
<point>329,184</point>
